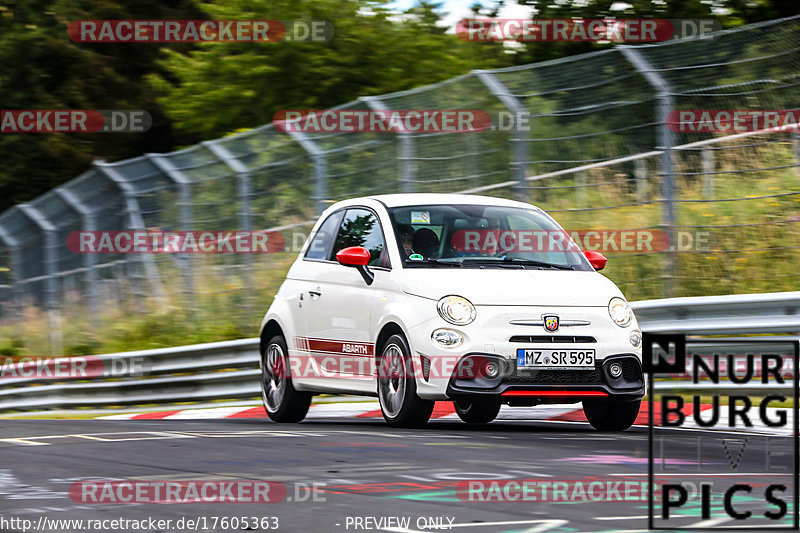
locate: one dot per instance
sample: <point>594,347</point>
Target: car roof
<point>408,199</point>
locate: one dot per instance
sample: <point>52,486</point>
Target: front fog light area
<point>636,338</point>
<point>491,370</point>
<point>480,371</point>
<point>447,338</point>
<point>615,370</point>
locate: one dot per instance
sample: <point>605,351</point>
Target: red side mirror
<point>353,256</point>
<point>596,259</point>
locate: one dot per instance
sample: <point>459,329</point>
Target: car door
<point>300,288</point>
<point>341,305</point>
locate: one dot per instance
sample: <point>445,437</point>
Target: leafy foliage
<point>220,87</point>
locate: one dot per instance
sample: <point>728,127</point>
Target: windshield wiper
<point>434,261</point>
<point>517,261</point>
<point>533,262</point>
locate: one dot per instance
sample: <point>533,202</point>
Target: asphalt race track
<point>361,468</point>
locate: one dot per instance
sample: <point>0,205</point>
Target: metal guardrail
<point>229,370</point>
<point>775,312</point>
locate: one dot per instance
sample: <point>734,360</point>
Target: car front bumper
<point>493,335</point>
<point>522,386</point>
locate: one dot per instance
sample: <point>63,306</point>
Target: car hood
<point>512,287</point>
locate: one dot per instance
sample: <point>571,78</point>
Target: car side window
<point>321,244</point>
<point>360,227</point>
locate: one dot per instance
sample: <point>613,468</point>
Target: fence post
<point>49,252</point>
<point>16,286</point>
<point>640,173</point>
<point>183,183</point>
<point>135,221</point>
<point>245,216</point>
<point>519,149</point>
<point>665,141</point>
<point>580,189</point>
<point>88,223</point>
<point>707,162</point>
<point>320,168</point>
<point>405,149</point>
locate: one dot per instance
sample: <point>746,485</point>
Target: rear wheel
<point>282,402</point>
<point>611,416</point>
<point>397,387</point>
<point>476,412</point>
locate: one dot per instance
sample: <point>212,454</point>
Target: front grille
<point>553,339</point>
<point>555,377</point>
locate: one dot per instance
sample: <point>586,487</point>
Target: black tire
<point>610,415</point>
<point>397,387</point>
<point>282,402</point>
<point>476,411</point>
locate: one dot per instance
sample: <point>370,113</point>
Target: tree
<point>43,69</point>
<point>221,87</point>
<point>729,13</point>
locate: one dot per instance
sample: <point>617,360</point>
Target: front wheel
<point>476,412</point>
<point>397,387</point>
<point>282,402</point>
<point>611,415</point>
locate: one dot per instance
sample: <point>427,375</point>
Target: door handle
<point>316,293</point>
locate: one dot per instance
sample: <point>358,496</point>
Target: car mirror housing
<point>353,256</point>
<point>596,259</point>
<point>358,257</point>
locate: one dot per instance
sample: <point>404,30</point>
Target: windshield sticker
<point>415,257</point>
<point>420,217</point>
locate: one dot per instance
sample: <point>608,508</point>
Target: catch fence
<point>603,151</point>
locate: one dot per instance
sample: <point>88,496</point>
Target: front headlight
<point>620,312</point>
<point>456,310</point>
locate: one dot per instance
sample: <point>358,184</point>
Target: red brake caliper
<point>277,367</point>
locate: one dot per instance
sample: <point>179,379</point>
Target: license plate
<point>555,359</point>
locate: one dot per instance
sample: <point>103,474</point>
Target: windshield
<point>480,236</point>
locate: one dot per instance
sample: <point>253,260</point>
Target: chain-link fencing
<point>602,151</point>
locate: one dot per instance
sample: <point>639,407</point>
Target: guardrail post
<point>183,183</point>
<point>88,224</point>
<point>135,221</point>
<point>405,149</point>
<point>245,216</point>
<point>49,252</point>
<point>665,140</point>
<point>519,139</point>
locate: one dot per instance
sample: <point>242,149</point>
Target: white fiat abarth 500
<point>417,298</point>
